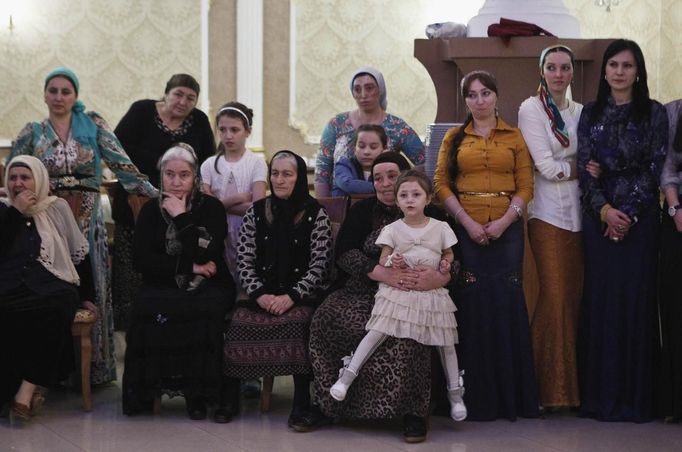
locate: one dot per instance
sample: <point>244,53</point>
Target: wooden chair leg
<point>157,405</point>
<point>86,356</point>
<point>265,394</point>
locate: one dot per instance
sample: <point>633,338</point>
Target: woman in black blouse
<point>146,131</point>
<point>44,276</point>
<point>283,261</point>
<point>396,380</point>
<point>174,343</point>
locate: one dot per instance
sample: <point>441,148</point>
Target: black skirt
<point>35,338</point>
<point>174,344</point>
<point>617,330</point>
<point>494,332</point>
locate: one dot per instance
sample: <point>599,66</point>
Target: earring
<point>637,80</point>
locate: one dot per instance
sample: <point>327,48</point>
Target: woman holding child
<point>396,379</point>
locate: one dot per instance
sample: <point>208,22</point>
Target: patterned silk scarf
<point>555,119</point>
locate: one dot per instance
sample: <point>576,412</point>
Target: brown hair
<point>380,131</point>
<point>236,110</point>
<point>184,80</point>
<point>232,110</point>
<point>488,80</point>
<point>414,175</point>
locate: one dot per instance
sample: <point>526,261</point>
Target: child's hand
<point>399,261</point>
<point>444,266</point>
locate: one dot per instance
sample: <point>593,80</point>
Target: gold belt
<point>488,194</point>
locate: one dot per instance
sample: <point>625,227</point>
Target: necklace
<point>482,132</point>
<point>418,224</point>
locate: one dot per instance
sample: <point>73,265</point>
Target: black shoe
<point>196,409</point>
<point>132,406</point>
<point>307,422</point>
<point>414,428</point>
<point>223,414</point>
<point>251,388</point>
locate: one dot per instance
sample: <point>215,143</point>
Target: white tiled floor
<point>63,426</point>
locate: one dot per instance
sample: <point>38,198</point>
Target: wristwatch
<point>672,210</point>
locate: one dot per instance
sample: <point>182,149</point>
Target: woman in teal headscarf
<point>72,144</point>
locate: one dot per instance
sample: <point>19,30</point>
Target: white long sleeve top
<point>556,199</point>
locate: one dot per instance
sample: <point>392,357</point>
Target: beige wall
<point>222,53</point>
<point>654,24</point>
<point>126,50</point>
<point>222,74</point>
<point>670,67</point>
<point>277,134</point>
<point>121,51</point>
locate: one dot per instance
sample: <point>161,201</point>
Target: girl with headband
<point>236,176</point>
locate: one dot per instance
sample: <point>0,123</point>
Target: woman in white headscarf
<point>338,137</point>
<point>44,275</point>
<point>174,344</point>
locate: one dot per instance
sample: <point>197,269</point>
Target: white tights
<point>373,339</point>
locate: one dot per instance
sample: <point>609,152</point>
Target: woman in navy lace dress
<point>626,132</point>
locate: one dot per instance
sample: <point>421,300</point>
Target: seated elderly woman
<point>283,259</point>
<point>42,254</point>
<point>396,380</point>
<point>174,343</point>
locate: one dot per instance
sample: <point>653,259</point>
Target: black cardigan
<point>19,252</point>
<point>145,143</point>
<point>149,250</point>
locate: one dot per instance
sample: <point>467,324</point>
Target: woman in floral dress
<point>72,145</point>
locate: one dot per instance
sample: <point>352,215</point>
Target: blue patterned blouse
<point>337,139</point>
<point>75,165</point>
<point>631,156</point>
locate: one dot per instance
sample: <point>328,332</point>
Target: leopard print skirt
<point>396,380</point>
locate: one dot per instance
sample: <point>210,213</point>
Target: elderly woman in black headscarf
<point>283,257</point>
<point>174,344</point>
<point>44,276</point>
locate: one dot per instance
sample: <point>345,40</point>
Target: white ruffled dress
<point>428,317</point>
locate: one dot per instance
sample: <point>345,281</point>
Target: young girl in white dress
<point>428,316</point>
<point>235,175</point>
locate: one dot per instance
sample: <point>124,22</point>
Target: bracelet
<point>517,209</point>
<point>602,212</point>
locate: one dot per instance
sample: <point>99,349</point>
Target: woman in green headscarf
<point>72,145</point>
